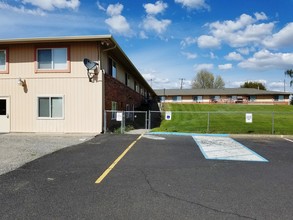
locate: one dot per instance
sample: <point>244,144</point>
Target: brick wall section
<point>123,95</point>
<point>120,93</point>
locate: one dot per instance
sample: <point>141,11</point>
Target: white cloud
<point>234,56</point>
<point>153,9</point>
<point>157,82</point>
<point>221,28</point>
<point>189,55</point>
<point>117,22</point>
<point>50,5</point>
<point>265,59</point>
<point>226,66</point>
<point>277,86</point>
<point>213,56</point>
<point>194,4</point>
<point>101,7</point>
<point>281,39</point>
<point>113,10</point>
<point>260,16</point>
<point>150,23</point>
<point>22,9</point>
<point>241,32</point>
<point>203,66</point>
<point>205,41</point>
<point>143,35</point>
<point>244,50</point>
<point>188,41</point>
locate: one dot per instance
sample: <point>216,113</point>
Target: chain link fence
<point>200,122</point>
<point>223,122</point>
<point>121,121</point>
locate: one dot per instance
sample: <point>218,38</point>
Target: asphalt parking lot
<point>160,177</point>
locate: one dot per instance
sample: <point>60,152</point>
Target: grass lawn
<point>228,118</point>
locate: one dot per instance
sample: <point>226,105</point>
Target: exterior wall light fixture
<point>21,82</point>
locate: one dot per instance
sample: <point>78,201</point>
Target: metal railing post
<point>273,123</point>
<point>208,128</point>
<point>146,120</point>
<point>149,125</point>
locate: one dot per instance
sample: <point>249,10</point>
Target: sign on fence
<point>168,116</point>
<point>119,116</point>
<point>248,117</point>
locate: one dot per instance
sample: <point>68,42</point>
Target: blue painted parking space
<point>220,147</point>
<point>225,148</point>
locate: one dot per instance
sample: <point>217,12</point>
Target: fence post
<point>208,128</point>
<point>273,123</point>
<point>149,124</point>
<point>146,120</point>
<point>122,123</point>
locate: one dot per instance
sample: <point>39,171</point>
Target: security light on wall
<point>21,82</point>
<point>91,67</point>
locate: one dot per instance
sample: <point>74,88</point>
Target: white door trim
<point>5,115</point>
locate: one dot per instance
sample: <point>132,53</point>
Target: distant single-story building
<point>65,84</point>
<point>227,95</point>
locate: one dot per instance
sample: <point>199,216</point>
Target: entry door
<point>4,115</point>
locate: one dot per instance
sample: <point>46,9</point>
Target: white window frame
<point>53,62</point>
<point>50,117</point>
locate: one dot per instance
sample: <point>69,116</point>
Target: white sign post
<point>168,116</point>
<point>248,117</point>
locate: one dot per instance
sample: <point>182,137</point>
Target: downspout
<point>103,88</point>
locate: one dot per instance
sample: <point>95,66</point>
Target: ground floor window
<point>51,107</point>
<point>279,98</point>
<point>176,98</point>
<point>197,98</point>
<point>252,98</point>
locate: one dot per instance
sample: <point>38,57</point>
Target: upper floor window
<point>127,79</point>
<point>52,59</point>
<point>3,61</point>
<point>112,68</point>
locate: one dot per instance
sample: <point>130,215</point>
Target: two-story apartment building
<point>44,85</point>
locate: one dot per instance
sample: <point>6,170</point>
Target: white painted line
<point>225,148</point>
<point>288,139</point>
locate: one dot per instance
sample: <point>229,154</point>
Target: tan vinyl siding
<point>83,101</point>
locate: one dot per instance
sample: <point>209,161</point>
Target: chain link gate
<point>123,121</point>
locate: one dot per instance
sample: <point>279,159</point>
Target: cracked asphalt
<point>159,178</point>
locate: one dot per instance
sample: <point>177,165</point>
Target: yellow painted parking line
<point>108,170</point>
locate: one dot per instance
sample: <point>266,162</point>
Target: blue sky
<point>240,40</point>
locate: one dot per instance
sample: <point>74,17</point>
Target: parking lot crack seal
<point>191,202</point>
